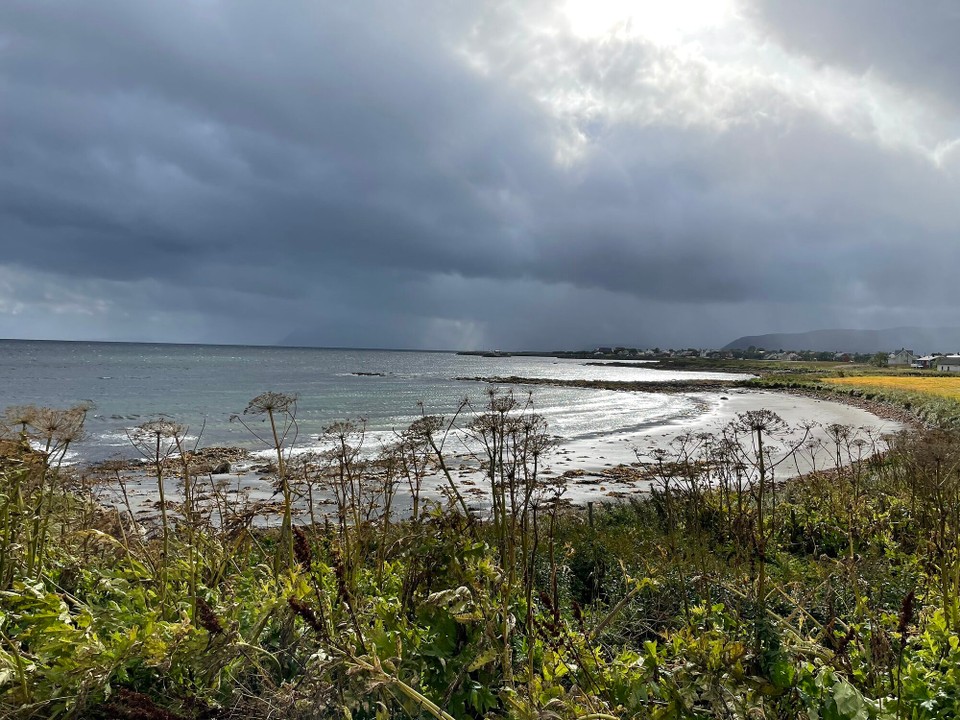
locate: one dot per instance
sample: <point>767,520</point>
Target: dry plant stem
<point>21,669</point>
<point>375,669</point>
<point>530,560</point>
<point>450,481</point>
<point>164,561</point>
<point>612,614</point>
<point>307,480</point>
<point>10,515</point>
<point>191,521</point>
<point>285,551</point>
<point>385,518</point>
<point>47,513</point>
<point>761,534</point>
<point>36,513</point>
<point>803,645</point>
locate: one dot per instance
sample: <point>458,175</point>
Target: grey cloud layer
<point>344,173</point>
<point>912,44</point>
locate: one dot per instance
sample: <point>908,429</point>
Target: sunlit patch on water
<point>207,388</point>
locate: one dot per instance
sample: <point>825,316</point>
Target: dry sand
<point>596,469</point>
<point>598,457</point>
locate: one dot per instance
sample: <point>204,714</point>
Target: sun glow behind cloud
<point>599,64</point>
<point>665,22</point>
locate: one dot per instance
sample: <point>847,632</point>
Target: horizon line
<point>240,345</point>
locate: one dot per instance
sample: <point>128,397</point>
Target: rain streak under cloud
<point>458,175</point>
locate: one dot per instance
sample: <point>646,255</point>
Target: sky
<point>544,174</point>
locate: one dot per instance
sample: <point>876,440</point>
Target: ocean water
<point>204,386</point>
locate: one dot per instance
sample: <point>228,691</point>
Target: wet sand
<point>602,468</point>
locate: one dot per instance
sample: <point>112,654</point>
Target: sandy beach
<point>597,458</point>
<point>602,468</point>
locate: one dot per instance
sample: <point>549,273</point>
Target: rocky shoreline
<point>213,460</point>
<point>880,408</point>
<point>664,386</point>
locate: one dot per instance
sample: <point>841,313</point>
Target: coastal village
<point>904,358</point>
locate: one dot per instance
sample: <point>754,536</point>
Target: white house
<point>900,357</point>
<point>949,363</point>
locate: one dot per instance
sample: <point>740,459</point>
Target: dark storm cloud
<point>415,174</point>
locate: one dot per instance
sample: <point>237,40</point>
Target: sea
<point>206,387</point>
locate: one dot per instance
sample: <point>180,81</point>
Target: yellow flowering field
<point>943,386</point>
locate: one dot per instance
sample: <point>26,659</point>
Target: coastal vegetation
<point>947,386</point>
<point>727,592</point>
<point>912,395</point>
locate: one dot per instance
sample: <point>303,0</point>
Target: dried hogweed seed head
<point>270,402</point>
<point>22,415</point>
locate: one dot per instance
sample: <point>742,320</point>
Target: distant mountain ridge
<point>920,340</point>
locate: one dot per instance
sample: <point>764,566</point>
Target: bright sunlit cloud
<point>664,22</point>
<point>696,63</point>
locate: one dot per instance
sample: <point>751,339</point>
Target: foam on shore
<point>589,467</point>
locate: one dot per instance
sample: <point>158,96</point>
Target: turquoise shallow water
<point>203,386</point>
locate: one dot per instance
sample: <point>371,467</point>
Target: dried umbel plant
<point>27,506</point>
<point>159,430</point>
<point>157,440</point>
<point>424,428</point>
<point>411,455</point>
<point>432,431</point>
<point>763,421</point>
<point>271,403</point>
<point>510,439</point>
<point>281,411</point>
<point>50,430</point>
<point>22,415</point>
